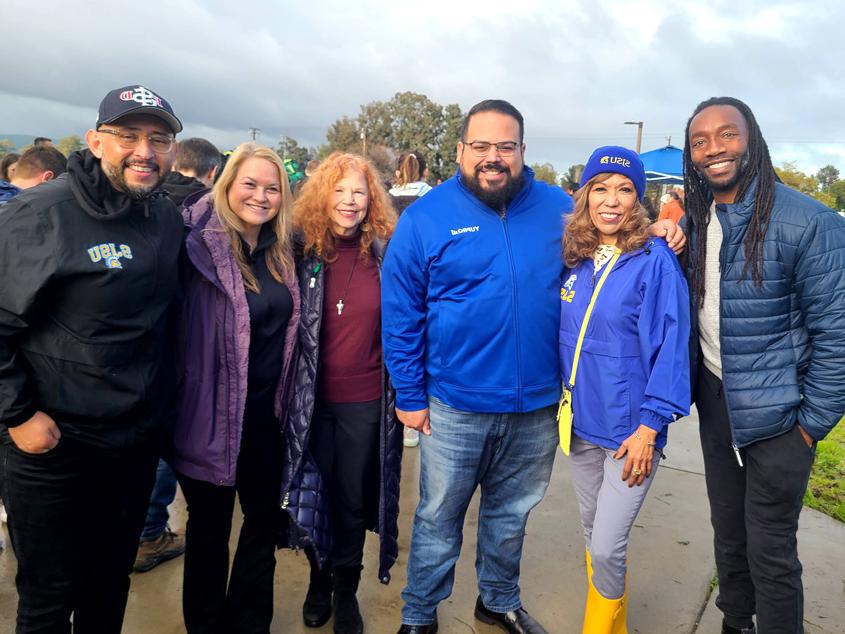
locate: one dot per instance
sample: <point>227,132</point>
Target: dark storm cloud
<point>577,70</point>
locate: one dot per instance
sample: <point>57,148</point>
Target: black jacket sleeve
<point>27,266</point>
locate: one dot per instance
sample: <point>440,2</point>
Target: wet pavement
<point>670,564</point>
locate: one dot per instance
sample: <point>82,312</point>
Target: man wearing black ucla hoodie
<point>87,272</point>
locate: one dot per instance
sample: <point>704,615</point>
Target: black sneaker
<point>515,622</point>
<point>431,628</point>
<point>727,629</point>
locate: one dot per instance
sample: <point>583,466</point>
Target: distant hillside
<point>20,140</point>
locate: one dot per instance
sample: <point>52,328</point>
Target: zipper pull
<point>286,500</point>
<point>738,456</point>
<point>313,282</point>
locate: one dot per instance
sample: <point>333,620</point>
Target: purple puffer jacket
<point>213,350</point>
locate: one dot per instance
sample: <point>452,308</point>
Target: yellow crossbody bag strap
<point>564,410</point>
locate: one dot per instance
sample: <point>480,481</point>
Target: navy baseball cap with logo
<point>618,160</point>
<point>136,100</point>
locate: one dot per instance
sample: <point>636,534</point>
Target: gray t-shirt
<point>708,314</point>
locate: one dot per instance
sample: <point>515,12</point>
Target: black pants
<point>345,445</point>
<point>754,511</point>
<point>247,605</point>
<point>75,516</point>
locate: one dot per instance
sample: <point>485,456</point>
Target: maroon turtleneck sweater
<point>350,343</point>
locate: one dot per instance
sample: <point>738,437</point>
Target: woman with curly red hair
<point>343,444</point>
<point>624,332</point>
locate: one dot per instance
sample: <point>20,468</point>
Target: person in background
<point>673,207</point>
<point>42,141</point>
<point>7,165</point>
<point>410,184</point>
<point>196,168</point>
<point>37,165</point>
<point>633,367</point>
<point>343,440</point>
<point>236,338</point>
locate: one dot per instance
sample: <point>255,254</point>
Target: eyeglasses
<point>482,148</point>
<point>160,143</point>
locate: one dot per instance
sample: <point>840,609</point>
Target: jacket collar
<point>739,212</point>
<point>377,247</point>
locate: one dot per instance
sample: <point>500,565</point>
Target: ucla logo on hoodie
<point>110,255</point>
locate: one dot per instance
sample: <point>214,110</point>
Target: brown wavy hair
<point>581,238</point>
<point>311,209</point>
<point>279,257</point>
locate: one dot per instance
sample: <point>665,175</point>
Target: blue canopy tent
<point>664,166</point>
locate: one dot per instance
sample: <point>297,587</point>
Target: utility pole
<point>253,132</point>
<point>639,125</point>
<point>283,141</point>
<point>363,142</point>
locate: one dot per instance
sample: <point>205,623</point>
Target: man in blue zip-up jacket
<point>470,317</point>
<point>767,279</point>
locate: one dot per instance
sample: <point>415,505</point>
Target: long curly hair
<point>312,208</point>
<point>581,238</point>
<point>279,257</point>
<point>699,197</point>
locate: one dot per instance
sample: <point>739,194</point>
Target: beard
<point>116,177</point>
<point>726,186</point>
<point>498,198</point>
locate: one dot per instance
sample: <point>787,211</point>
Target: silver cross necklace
<point>340,305</point>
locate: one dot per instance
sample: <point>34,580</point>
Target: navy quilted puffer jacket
<point>304,493</point>
<point>783,344</point>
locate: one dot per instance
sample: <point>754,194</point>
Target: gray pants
<point>608,510</point>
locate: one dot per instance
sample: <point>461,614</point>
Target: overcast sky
<point>577,69</point>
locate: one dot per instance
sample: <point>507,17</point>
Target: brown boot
<point>155,551</point>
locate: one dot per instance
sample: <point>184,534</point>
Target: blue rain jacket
<point>634,366</point>
<point>469,300</point>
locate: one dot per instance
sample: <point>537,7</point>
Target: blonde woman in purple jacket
<point>237,332</point>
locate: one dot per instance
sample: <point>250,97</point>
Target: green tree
<point>545,172</point>
<point>69,144</point>
<point>409,121</point>
<point>571,180</point>
<point>795,178</point>
<point>837,191</point>
<point>343,136</point>
<point>792,176</point>
<point>289,148</point>
<point>6,146</point>
<point>445,163</point>
<point>827,176</point>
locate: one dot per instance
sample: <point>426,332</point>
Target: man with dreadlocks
<point>767,280</point>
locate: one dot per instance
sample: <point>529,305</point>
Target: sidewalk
<point>671,565</point>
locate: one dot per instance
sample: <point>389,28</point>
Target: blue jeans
<point>162,496</point>
<point>511,457</point>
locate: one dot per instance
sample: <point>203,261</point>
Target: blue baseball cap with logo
<point>618,160</point>
<point>136,99</point>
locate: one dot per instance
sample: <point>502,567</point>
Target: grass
<point>826,490</point>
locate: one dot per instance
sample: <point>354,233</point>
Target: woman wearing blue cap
<point>624,330</point>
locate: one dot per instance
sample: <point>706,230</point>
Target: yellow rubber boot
<point>603,616</point>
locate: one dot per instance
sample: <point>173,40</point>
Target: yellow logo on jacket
<point>110,255</point>
<point>566,292</point>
